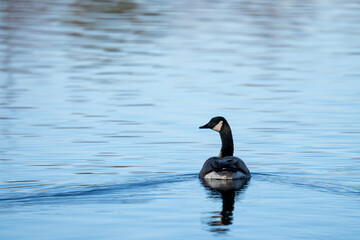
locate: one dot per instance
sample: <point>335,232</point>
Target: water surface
<point>100,104</point>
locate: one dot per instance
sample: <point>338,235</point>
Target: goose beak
<point>205,126</point>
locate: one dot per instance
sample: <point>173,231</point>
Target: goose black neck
<point>227,144</point>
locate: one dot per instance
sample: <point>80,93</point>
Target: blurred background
<point>106,97</point>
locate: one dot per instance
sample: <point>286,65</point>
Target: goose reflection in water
<point>228,191</point>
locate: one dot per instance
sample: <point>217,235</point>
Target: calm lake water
<point>100,104</point>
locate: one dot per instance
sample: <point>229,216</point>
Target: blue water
<point>100,104</point>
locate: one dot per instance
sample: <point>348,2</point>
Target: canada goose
<point>225,166</point>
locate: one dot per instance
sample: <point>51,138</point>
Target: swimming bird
<point>225,166</point>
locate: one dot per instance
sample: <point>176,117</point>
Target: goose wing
<point>230,163</point>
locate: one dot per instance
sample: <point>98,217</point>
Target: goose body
<point>225,166</point>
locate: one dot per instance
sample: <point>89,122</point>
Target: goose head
<point>216,124</point>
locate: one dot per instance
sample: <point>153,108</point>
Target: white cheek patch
<point>218,126</point>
